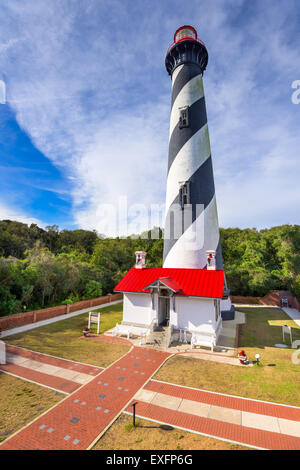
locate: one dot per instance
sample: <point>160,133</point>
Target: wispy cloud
<point>88,85</point>
<point>13,213</point>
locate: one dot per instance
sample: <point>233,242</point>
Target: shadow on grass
<point>165,427</point>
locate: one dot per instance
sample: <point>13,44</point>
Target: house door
<point>163,310</point>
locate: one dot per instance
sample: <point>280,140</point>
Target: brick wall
<point>238,299</point>
<point>21,319</point>
<point>272,298</point>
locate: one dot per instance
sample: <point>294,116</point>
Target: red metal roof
<point>192,282</point>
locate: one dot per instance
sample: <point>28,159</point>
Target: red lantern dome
<point>185,32</point>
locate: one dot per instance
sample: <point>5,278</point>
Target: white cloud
<point>77,113</point>
<point>89,87</point>
<point>127,158</point>
<point>6,45</point>
<point>12,213</point>
<point>254,131</point>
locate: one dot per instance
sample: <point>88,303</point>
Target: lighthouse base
<point>227,309</point>
<point>225,304</point>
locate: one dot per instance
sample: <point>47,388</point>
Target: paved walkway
<point>78,420</point>
<point>59,374</point>
<point>250,422</point>
<point>293,313</point>
<point>99,396</point>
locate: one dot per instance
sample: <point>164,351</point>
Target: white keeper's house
<point>188,296</point>
<point>186,301</point>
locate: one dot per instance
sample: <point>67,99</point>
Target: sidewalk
<point>293,313</point>
<point>56,373</point>
<point>244,421</point>
<point>80,419</point>
<point>31,326</point>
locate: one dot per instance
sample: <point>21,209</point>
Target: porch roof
<point>183,281</point>
<point>165,281</point>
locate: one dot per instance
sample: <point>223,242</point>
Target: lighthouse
<point>187,299</point>
<point>191,222</point>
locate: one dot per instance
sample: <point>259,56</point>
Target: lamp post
<point>133,416</point>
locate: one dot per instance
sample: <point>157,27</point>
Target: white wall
<point>226,304</point>
<point>137,308</point>
<point>173,313</point>
<point>195,314</point>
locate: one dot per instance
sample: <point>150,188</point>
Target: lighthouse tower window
<point>184,194</point>
<point>184,117</point>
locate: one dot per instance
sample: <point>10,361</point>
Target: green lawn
<point>21,402</point>
<point>62,338</point>
<point>264,328</point>
<point>276,379</point>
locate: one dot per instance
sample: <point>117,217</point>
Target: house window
<point>184,117</point>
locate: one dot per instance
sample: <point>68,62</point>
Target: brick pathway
<point>58,383</point>
<point>79,419</point>
<point>226,401</point>
<point>248,422</point>
<point>219,429</point>
<point>54,361</point>
<point>60,374</point>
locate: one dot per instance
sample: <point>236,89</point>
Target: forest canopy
<point>44,267</point>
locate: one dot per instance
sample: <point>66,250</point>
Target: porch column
<point>173,313</point>
<point>154,306</point>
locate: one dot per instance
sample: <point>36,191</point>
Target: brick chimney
<point>211,259</point>
<point>140,262</point>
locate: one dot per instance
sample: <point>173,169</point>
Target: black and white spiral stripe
<point>190,161</point>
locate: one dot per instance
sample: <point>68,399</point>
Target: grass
<point>264,328</point>
<point>21,402</point>
<point>148,435</point>
<point>277,379</point>
<point>62,338</point>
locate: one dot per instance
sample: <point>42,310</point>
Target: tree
<point>93,289</point>
<point>296,286</point>
<point>46,267</point>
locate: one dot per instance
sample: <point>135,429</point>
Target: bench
<point>198,340</point>
<point>122,330</point>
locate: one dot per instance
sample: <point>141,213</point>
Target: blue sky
<point>86,117</point>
